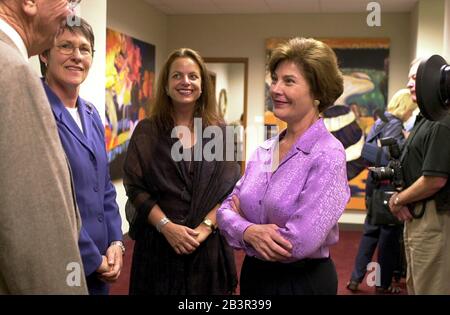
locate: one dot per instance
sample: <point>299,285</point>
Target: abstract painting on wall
<point>365,66</point>
<point>130,73</point>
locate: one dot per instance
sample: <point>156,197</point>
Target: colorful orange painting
<point>130,74</point>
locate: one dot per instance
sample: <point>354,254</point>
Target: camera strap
<point>419,214</point>
<point>410,139</point>
<point>411,207</point>
<point>375,137</point>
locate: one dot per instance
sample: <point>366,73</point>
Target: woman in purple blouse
<point>284,211</point>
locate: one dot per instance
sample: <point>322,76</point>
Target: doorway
<point>230,76</point>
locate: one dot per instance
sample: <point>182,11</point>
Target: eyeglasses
<point>73,3</point>
<point>68,49</point>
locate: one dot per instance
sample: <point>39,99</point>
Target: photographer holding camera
<point>381,228</point>
<point>424,204</point>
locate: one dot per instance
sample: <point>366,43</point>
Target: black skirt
<point>157,270</point>
<point>304,277</point>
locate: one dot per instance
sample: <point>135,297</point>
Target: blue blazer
<point>95,194</point>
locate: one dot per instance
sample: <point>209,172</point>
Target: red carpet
<point>343,255</point>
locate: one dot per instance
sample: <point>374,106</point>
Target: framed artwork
<point>223,102</point>
<point>130,75</point>
<point>364,63</point>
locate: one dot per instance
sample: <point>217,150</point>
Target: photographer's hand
<point>400,211</point>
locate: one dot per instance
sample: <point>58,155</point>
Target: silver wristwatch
<point>161,223</point>
<point>120,244</point>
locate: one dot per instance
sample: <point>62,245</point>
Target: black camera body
<point>392,172</point>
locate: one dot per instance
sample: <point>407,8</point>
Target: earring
<point>316,103</point>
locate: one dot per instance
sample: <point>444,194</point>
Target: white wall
<point>430,33</point>
<point>222,80</point>
<point>414,27</point>
<point>230,76</point>
<point>447,31</point>
<point>139,20</point>
<point>236,91</point>
<point>93,89</point>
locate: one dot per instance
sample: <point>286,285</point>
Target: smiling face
<point>291,94</point>
<point>184,84</point>
<point>69,70</point>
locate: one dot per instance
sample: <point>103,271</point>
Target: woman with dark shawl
<point>176,188</point>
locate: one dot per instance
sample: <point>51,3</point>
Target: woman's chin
<point>74,82</point>
<point>280,114</point>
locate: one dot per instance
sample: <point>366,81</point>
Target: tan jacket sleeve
<point>39,221</point>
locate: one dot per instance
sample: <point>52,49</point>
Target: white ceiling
<point>172,7</point>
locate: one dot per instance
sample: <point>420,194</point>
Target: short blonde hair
<point>401,103</point>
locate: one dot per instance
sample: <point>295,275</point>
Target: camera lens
<point>382,173</point>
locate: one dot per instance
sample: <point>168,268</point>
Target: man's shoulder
<point>445,122</point>
<point>13,66</point>
<point>16,75</point>
<point>428,129</point>
<point>430,126</point>
<point>9,56</point>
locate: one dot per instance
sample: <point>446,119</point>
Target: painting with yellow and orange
<point>130,76</point>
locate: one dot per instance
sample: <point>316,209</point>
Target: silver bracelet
<point>120,244</point>
<point>161,223</point>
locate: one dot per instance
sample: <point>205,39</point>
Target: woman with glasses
<point>64,67</point>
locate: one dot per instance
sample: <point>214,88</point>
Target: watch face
<point>208,223</point>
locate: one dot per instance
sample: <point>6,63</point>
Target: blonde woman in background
<point>386,236</point>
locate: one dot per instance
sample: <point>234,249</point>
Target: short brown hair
<point>318,64</point>
<point>206,107</point>
<point>83,28</point>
